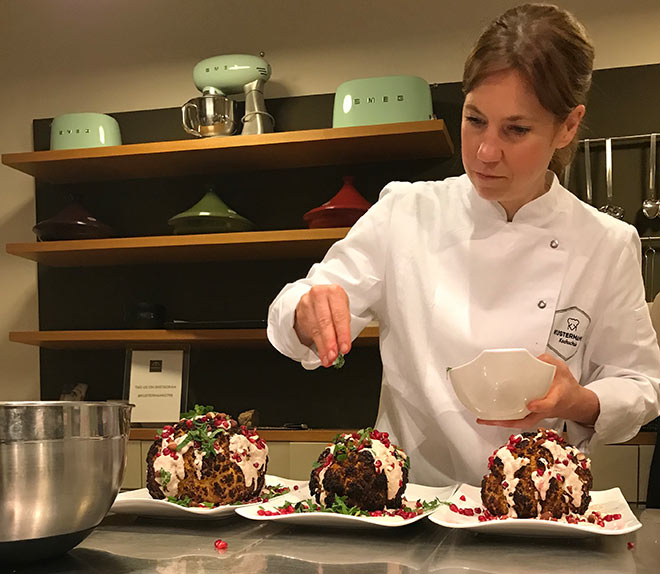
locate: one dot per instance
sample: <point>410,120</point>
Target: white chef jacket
<point>447,276</point>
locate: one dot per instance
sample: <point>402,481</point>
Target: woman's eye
<point>475,121</point>
<point>519,130</point>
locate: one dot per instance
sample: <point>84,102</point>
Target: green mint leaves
<point>198,411</point>
<point>165,477</point>
<point>339,361</point>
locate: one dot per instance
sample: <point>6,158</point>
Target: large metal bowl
<point>61,466</point>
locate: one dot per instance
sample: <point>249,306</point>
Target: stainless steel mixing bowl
<point>61,466</point>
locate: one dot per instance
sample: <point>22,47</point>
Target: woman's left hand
<point>566,399</point>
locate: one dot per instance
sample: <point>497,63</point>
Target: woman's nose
<point>489,151</point>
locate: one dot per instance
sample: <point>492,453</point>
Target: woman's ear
<point>570,126</point>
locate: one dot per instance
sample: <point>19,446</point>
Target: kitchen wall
<point>119,55</point>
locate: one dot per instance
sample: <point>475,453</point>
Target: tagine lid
<point>73,221</point>
<point>347,198</point>
<point>209,207</point>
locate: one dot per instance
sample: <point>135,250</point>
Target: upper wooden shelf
<point>158,338</point>
<point>280,150</point>
<point>291,244</point>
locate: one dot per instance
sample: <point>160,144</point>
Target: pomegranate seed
<point>468,512</point>
<point>453,508</point>
<point>189,424</point>
<point>166,451</point>
<point>256,464</point>
<point>505,484</point>
<point>482,518</point>
<point>477,510</point>
<point>463,497</point>
<point>630,545</point>
<point>617,517</point>
<point>221,544</point>
<point>295,487</point>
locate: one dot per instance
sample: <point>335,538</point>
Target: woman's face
<point>508,139</point>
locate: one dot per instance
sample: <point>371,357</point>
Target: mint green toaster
<point>83,130</point>
<point>384,100</point>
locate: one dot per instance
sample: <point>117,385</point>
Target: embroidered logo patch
<point>568,329</point>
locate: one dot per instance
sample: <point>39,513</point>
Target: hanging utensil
<point>610,208</point>
<point>651,206</point>
<point>587,171</point>
<point>649,269</point>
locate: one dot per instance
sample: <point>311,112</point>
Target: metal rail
<point>631,138</point>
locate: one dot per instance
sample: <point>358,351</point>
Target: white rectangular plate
<point>413,493</point>
<point>604,501</point>
<point>140,502</point>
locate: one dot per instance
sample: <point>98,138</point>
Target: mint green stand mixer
<point>219,77</point>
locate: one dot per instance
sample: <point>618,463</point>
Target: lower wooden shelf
<point>247,245</point>
<point>157,338</point>
<point>326,435</point>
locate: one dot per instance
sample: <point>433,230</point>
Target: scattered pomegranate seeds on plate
<point>140,502</point>
<point>284,509</point>
<point>608,510</point>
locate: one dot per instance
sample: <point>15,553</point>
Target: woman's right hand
<point>324,319</point>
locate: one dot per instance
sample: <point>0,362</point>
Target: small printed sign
<point>155,386</point>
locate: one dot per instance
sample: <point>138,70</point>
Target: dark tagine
<point>537,475</point>
<point>364,468</point>
<point>206,459</point>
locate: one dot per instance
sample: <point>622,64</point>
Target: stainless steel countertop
<point>130,545</point>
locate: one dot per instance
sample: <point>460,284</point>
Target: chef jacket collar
<point>537,212</point>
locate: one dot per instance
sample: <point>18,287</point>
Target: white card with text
<point>156,382</point>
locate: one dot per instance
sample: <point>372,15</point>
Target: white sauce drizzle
<point>389,465</point>
<point>568,472</point>
<point>250,455</point>
<point>238,444</point>
<point>174,467</point>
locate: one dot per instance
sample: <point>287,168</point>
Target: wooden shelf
<point>282,150</point>
<point>287,244</point>
<point>158,338</point>
<point>326,435</point>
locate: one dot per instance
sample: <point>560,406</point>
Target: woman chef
<point>502,256</point>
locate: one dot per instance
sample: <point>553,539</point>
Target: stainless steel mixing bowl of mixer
<point>61,466</point>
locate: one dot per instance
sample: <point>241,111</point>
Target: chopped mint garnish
<point>339,361</point>
<point>185,501</point>
<point>339,506</point>
<point>165,477</point>
<point>198,411</point>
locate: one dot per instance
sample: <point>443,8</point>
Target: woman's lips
<point>489,176</point>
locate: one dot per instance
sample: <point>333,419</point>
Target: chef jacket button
<point>554,244</point>
<point>541,304</point>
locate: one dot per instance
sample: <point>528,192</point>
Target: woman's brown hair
<point>550,48</point>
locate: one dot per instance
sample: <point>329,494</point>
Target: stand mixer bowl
<point>209,115</point>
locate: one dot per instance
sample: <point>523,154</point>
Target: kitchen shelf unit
<point>416,146</point>
<point>280,150</point>
<point>158,338</point>
<point>249,245</point>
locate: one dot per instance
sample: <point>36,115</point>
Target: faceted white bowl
<point>499,383</point>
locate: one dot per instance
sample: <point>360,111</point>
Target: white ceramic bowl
<point>499,383</point>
